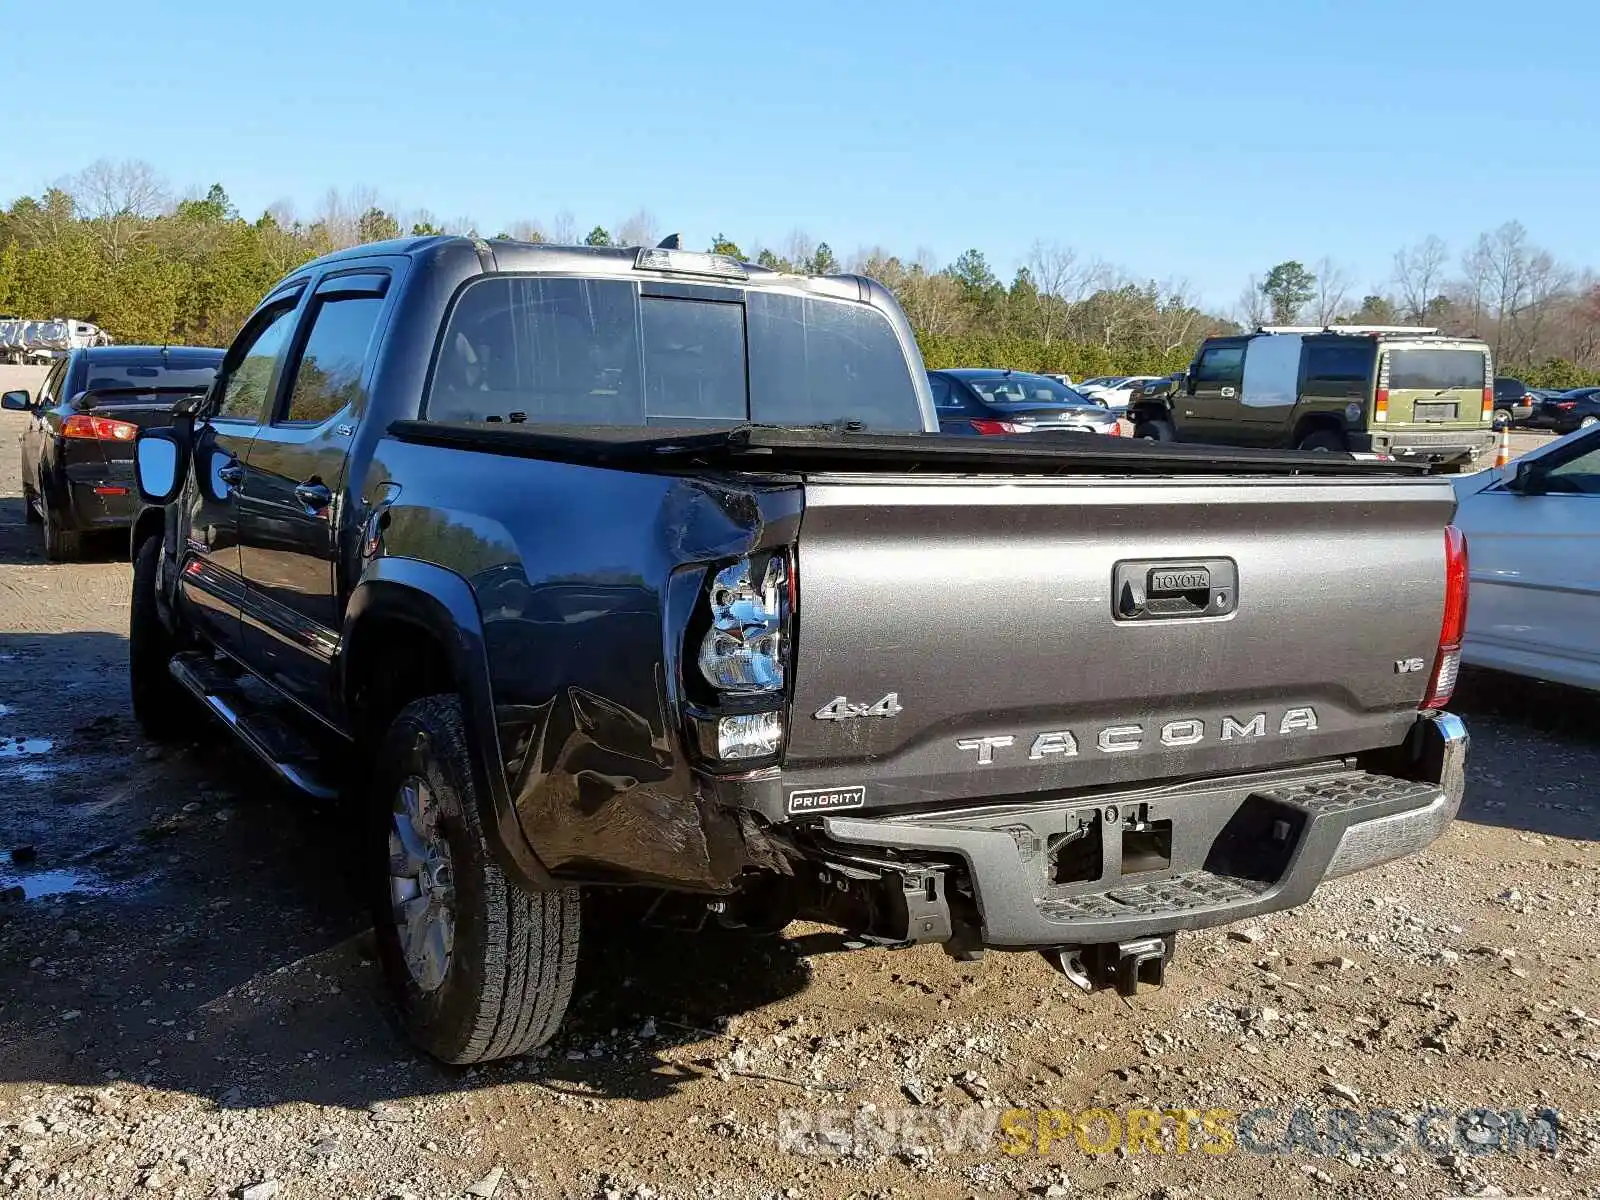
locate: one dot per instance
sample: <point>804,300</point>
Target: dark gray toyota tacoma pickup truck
<point>586,568</point>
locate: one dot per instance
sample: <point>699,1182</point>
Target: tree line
<point>114,246</point>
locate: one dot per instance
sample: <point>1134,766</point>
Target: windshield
<point>1436,370</point>
<point>1002,391</point>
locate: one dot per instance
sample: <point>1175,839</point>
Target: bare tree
<point>1177,319</point>
<point>1060,279</point>
<point>1332,290</point>
<point>1419,275</point>
<point>931,298</point>
<point>120,200</point>
<point>130,188</point>
<point>564,229</point>
<point>637,230</point>
<point>1251,310</point>
<point>798,248</point>
<point>528,231</point>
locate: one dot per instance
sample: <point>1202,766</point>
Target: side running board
<point>292,757</point>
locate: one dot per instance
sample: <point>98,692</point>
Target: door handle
<point>232,474</point>
<point>315,496</point>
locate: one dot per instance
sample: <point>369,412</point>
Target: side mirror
<point>1526,479</point>
<point>159,459</point>
<point>16,402</point>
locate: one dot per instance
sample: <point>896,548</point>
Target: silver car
<point>1533,539</point>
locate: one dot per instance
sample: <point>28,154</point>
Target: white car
<point>1114,390</point>
<point>1533,544</point>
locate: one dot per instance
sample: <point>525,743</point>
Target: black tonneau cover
<point>763,447</point>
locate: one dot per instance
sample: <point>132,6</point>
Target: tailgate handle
<point>1164,590</point>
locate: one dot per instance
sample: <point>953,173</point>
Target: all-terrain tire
<point>1324,439</point>
<point>515,954</point>
<point>162,707</point>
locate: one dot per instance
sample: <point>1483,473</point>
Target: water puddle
<point>37,885</point>
<point>15,747</point>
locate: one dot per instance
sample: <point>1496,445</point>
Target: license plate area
<point>1435,410</point>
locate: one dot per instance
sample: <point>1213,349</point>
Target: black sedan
<point>1513,401</point>
<point>77,448</point>
<point>1566,411</point>
<point>983,402</point>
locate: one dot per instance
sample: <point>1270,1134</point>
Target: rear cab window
<point>557,350</point>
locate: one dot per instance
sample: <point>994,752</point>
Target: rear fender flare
<point>443,603</point>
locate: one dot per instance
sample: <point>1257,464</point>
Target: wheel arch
<point>424,620</point>
<point>1310,423</point>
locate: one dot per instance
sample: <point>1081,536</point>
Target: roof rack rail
<point>1356,329</point>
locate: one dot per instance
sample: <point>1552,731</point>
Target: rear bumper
<point>1444,447</point>
<point>1235,848</point>
<point>99,496</point>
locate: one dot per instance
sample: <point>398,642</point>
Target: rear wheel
<point>480,968</point>
<point>1324,439</point>
<point>1502,418</point>
<point>1155,429</point>
<point>60,545</point>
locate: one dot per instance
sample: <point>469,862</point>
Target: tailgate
<point>1437,387</point>
<point>988,609</point>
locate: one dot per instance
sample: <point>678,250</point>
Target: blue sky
<point>1183,140</point>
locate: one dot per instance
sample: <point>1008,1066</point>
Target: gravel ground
<point>189,1004</point>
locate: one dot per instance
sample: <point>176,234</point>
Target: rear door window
<point>1435,370</point>
<point>1337,369</point>
<point>328,378</point>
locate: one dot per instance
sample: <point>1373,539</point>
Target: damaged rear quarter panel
<point>571,566</point>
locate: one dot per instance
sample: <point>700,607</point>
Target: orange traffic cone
<point>1503,455</point>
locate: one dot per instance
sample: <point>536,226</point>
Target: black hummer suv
<point>644,567</point>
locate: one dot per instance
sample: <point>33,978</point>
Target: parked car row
<point>40,341</point>
<point>984,402</point>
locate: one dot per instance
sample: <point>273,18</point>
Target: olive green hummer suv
<point>1400,391</point>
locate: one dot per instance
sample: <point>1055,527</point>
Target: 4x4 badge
<point>840,709</point>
